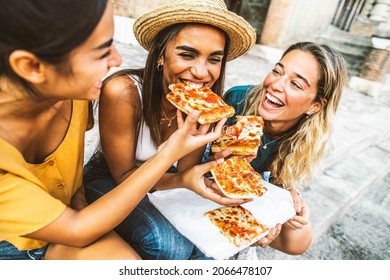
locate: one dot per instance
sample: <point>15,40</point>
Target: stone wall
<point>376,65</point>
<point>363,27</point>
<point>254,11</point>
<point>134,8</point>
<point>290,21</point>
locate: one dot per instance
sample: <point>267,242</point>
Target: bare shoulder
<point>121,89</point>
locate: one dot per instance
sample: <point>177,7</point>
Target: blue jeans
<point>10,252</point>
<point>145,229</point>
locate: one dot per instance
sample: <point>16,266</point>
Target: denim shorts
<point>10,252</point>
<point>145,228</point>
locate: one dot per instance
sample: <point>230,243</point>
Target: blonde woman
<point>298,101</point>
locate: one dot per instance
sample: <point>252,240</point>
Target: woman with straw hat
<point>188,41</point>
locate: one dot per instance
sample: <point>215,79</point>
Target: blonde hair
<point>301,149</point>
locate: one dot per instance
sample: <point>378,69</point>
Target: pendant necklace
<point>266,144</point>
<point>167,119</point>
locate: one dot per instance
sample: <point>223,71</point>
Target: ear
<point>27,66</point>
<point>315,107</point>
<point>160,60</point>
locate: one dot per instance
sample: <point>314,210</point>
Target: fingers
<point>194,116</point>
<point>297,222</point>
<point>250,158</point>
<point>190,121</point>
<point>219,126</point>
<point>179,119</point>
<point>217,198</point>
<point>223,154</point>
<point>272,234</point>
<point>205,167</point>
<point>297,200</point>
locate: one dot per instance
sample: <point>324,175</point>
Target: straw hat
<point>214,12</point>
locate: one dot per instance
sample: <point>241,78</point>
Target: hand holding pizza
<point>189,137</point>
<point>228,152</point>
<point>194,180</point>
<point>270,237</point>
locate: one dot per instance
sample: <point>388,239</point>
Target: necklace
<point>265,146</point>
<point>167,119</point>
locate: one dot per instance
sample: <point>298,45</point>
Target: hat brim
<point>241,34</point>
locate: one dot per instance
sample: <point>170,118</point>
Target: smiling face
<point>193,57</point>
<point>89,63</point>
<point>290,90</point>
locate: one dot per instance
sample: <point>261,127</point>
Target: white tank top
<point>145,145</point>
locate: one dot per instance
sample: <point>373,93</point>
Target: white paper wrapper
<point>185,210</point>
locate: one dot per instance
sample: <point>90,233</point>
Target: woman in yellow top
<point>53,60</point>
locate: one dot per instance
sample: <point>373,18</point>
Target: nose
<point>279,84</point>
<point>199,70</point>
<point>115,59</point>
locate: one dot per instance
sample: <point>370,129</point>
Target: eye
<point>296,85</point>
<point>215,60</point>
<point>187,55</point>
<point>105,55</point>
<point>276,72</point>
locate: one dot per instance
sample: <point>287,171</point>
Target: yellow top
<point>34,195</point>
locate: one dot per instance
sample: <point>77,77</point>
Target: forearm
<point>114,206</point>
<point>293,242</point>
<point>174,180</point>
<point>166,182</point>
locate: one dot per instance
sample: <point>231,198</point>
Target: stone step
<point>337,189</point>
<point>361,122</point>
<point>362,233</point>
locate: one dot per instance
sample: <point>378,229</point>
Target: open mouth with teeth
<point>192,84</point>
<point>273,101</point>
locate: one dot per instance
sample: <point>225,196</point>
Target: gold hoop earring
<point>159,67</point>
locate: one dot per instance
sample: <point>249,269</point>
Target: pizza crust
<point>236,149</point>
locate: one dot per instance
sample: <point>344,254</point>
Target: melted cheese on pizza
<point>237,179</point>
<point>237,224</point>
<point>243,138</point>
<point>186,98</point>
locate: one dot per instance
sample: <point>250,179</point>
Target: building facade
<point>360,29</point>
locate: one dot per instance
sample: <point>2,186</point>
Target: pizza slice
<point>187,98</point>
<point>243,138</point>
<point>237,224</point>
<point>237,179</point>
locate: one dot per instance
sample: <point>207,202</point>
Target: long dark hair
<point>48,29</point>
